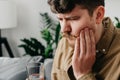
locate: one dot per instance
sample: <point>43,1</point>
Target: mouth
<point>69,36</point>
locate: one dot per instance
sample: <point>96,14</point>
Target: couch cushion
<point>13,68</point>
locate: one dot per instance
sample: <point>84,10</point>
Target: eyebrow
<point>69,17</point>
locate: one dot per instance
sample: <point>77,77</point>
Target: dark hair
<point>65,6</point>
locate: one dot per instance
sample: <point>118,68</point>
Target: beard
<point>70,38</point>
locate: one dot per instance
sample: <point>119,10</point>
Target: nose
<point>65,26</point>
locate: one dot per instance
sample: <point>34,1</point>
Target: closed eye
<point>74,18</point>
<point>60,19</point>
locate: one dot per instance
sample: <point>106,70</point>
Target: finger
<point>77,48</point>
<point>93,47</point>
<point>82,43</point>
<point>87,41</point>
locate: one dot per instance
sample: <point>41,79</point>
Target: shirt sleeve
<point>88,76</point>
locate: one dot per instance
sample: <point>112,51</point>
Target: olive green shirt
<point>107,65</point>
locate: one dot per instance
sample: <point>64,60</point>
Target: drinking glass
<point>35,71</point>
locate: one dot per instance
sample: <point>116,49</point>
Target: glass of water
<point>35,71</point>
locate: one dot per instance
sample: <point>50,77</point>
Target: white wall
<point>112,8</point>
<point>29,21</point>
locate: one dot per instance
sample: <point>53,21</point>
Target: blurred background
<point>29,22</point>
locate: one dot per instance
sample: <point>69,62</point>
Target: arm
<point>84,55</point>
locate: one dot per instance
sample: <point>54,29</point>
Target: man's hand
<point>84,53</point>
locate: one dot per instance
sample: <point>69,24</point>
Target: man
<point>90,47</point>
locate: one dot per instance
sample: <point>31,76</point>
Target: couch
<point>15,68</point>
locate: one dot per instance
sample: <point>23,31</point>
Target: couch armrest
<point>48,66</point>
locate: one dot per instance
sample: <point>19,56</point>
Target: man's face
<point>75,21</point>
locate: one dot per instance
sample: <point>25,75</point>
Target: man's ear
<point>100,11</point>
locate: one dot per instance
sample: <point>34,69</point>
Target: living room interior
<point>29,27</point>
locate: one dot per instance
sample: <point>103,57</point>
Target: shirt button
<point>103,50</point>
<point>97,51</point>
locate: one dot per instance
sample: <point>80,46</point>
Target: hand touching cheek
<point>84,53</point>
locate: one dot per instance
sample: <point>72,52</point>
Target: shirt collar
<point>105,41</point>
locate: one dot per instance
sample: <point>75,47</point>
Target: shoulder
<point>115,45</point>
<point>118,31</point>
<point>62,44</point>
<point>59,55</point>
<point>117,36</point>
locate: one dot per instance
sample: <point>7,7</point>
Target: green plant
<point>118,22</point>
<point>50,32</point>
<point>32,47</point>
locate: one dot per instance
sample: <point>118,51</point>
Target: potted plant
<point>50,34</point>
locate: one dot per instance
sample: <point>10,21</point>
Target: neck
<point>100,32</point>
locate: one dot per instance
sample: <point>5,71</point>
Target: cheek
<point>76,28</point>
<point>81,25</point>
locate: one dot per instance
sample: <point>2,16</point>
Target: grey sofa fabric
<point>15,68</point>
